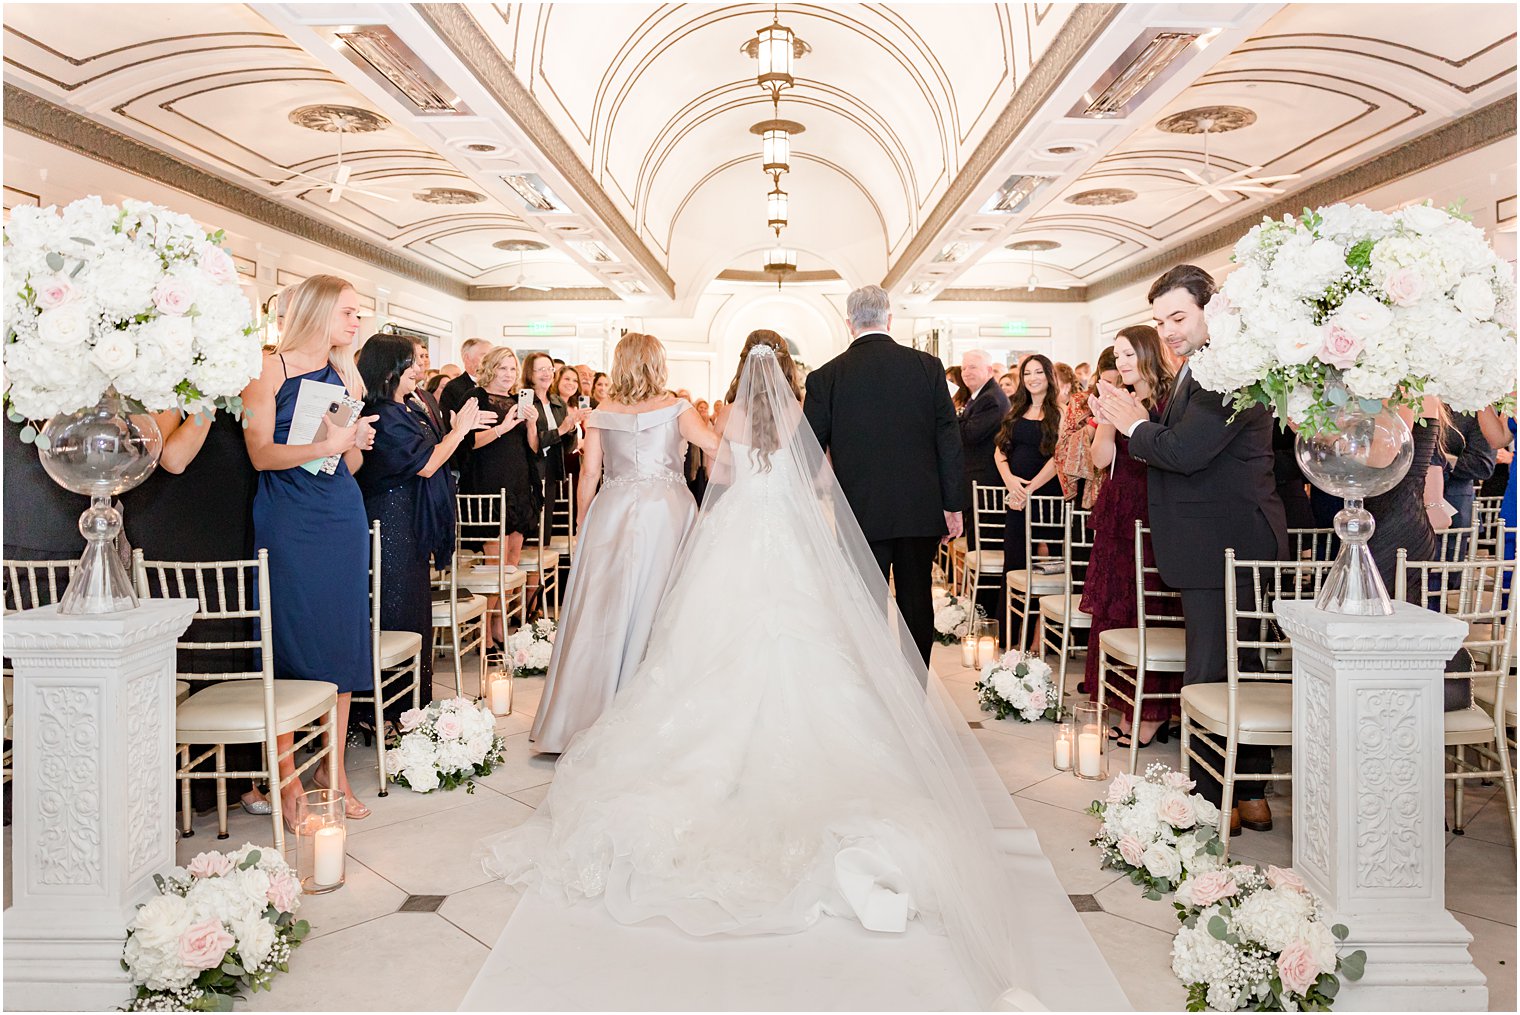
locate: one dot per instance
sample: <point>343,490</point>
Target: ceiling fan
<point>1034,282</point>
<point>338,185</point>
<point>1240,182</point>
<point>522,279</point>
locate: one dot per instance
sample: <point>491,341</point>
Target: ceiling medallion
<point>448,195</point>
<point>338,119</point>
<point>790,126</point>
<point>1036,245</point>
<point>1103,197</point>
<point>1213,119</point>
<point>520,246</point>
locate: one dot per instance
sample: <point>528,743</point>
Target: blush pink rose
<point>217,265</point>
<point>1176,810</point>
<point>1209,888</point>
<point>1176,780</point>
<point>203,944</point>
<point>1341,348</point>
<point>1404,286</point>
<point>1285,877</point>
<point>521,657</point>
<point>1120,788</point>
<point>53,291</point>
<point>171,296</point>
<point>448,726</point>
<point>1037,701</point>
<point>210,865</point>
<point>411,717</point>
<point>1297,968</point>
<point>1131,850</point>
<point>284,889</point>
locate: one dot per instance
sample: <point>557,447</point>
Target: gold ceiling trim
<point>1020,294</point>
<point>457,28</point>
<point>1070,44</point>
<point>1492,123</point>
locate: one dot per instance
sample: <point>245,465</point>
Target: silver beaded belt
<point>672,478</point>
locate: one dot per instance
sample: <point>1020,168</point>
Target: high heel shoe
<point>352,808</point>
<point>1162,734</point>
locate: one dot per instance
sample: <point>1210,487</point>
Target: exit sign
<point>538,327</point>
<point>1016,328</point>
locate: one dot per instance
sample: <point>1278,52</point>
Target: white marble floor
<point>417,917</point>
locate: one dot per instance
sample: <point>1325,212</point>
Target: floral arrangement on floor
<point>1156,830</point>
<point>222,924</point>
<point>1018,685</point>
<point>1349,303</point>
<point>952,617</point>
<point>137,298</point>
<point>1253,939</point>
<point>531,646</point>
<point>447,744</point>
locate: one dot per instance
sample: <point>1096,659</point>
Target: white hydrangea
<point>1274,917</point>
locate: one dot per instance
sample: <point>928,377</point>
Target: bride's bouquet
<point>1156,831</point>
<point>136,298</point>
<point>952,617</point>
<point>1018,685</point>
<point>1254,940</point>
<point>1348,303</point>
<point>531,646</point>
<point>447,744</point>
<point>223,923</point>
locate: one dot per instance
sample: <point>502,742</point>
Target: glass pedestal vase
<point>100,451</point>
<point>1362,454</point>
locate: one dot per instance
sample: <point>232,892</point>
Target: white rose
<point>114,353</point>
<point>1324,262</point>
<point>1363,316</point>
<point>1424,218</point>
<point>1322,945</point>
<point>255,937</point>
<point>1298,341</point>
<point>65,327</point>
<point>1162,861</point>
<point>1474,296</point>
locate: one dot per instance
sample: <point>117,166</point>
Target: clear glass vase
<point>1362,454</point>
<point>100,451</point>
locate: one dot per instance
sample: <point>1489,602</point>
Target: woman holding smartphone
<point>313,524</point>
<point>505,456</point>
<point>557,422</point>
<point>567,395</point>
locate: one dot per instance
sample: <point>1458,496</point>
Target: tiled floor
<point>417,917</point>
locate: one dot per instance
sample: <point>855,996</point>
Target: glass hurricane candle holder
<point>979,646</point>
<point>1064,746</point>
<point>499,691</point>
<point>1090,754</point>
<point>321,842</point>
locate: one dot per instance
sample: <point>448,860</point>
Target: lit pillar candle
<point>968,653</point>
<point>1063,751</point>
<point>501,695</point>
<point>986,650</point>
<point>1088,757</point>
<point>327,846</point>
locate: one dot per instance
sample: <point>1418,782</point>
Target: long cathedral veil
<point>767,436</point>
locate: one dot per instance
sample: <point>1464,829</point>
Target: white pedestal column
<point>1369,800</point>
<point>93,796</point>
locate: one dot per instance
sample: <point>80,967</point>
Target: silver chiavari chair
<point>982,568</point>
<point>1044,518</point>
<point>395,659</point>
<point>480,537</point>
<point>1061,614</point>
<point>1489,524</point>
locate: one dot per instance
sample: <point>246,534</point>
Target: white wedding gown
<point>774,758</point>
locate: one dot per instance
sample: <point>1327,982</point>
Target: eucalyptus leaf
<point>1371,406</point>
<point>77,269</point>
<point>1340,931</point>
<point>84,240</point>
<point>55,261</point>
<point>1328,985</point>
<point>1218,929</point>
<point>42,442</point>
<point>28,434</point>
<point>1354,965</point>
<point>1337,395</point>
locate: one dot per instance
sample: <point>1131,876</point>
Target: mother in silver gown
<point>626,539</point>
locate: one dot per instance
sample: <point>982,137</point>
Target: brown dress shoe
<point>1255,815</point>
<point>1234,821</point>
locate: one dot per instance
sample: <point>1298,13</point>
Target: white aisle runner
<point>557,957</point>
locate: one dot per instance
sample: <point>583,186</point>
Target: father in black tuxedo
<point>883,413</point>
<point>1211,486</point>
<point>979,421</point>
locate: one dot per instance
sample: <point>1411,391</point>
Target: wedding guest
<point>704,409</point>
<point>450,370</point>
<point>1008,383</point>
<point>1292,488</point>
<point>1080,480</point>
<point>1472,461</point>
<point>883,413</point>
<point>421,396</point>
<point>999,369</point>
<point>1210,486</point>
<point>601,388</point>
<point>557,422</point>
<point>628,535</point>
<point>435,386</point>
<point>313,524</point>
<point>1409,516</point>
<point>463,387</point>
<point>1083,372</point>
<point>586,376</point>
<point>1499,430</point>
<point>1496,484</point>
<point>1109,594</point>
<point>979,422</point>
<point>1066,383</point>
<point>567,389</point>
<point>504,458</point>
<point>41,517</point>
<point>962,393</point>
<point>1025,456</point>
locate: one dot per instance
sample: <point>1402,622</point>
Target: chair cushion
<point>398,646</point>
<point>1043,583</point>
<point>1483,694</point>
<point>561,542</point>
<point>469,607</point>
<point>985,560</point>
<point>529,560</point>
<point>1261,706</point>
<point>1471,725</point>
<point>483,579</point>
<point>959,544</point>
<point>1054,607</point>
<point>181,691</point>
<point>232,712</point>
<point>1164,646</point>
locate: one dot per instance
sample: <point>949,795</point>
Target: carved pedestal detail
<point>92,797</point>
<point>1369,798</point>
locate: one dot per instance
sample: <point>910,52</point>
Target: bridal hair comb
<point>762,349</point>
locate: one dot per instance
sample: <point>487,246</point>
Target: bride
<point>775,757</point>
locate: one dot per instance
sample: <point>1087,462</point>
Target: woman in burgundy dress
<point>1109,593</point>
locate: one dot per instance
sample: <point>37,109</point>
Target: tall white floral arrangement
<point>135,297</point>
<point>1349,303</point>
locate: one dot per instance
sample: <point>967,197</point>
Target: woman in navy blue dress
<point>313,524</point>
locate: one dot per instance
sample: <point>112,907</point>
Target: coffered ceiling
<point>607,150</point>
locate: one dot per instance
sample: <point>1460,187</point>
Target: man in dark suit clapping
<point>1210,486</point>
<point>883,413</point>
<point>979,423</point>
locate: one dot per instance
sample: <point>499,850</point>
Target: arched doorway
<point>806,321</point>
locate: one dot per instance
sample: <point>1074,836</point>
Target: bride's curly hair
<point>762,427</point>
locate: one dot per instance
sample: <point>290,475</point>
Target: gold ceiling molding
<point>501,293</point>
<point>1070,44</point>
<point>456,26</point>
<point>1021,294</point>
<point>1478,129</point>
<point>34,115</point>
